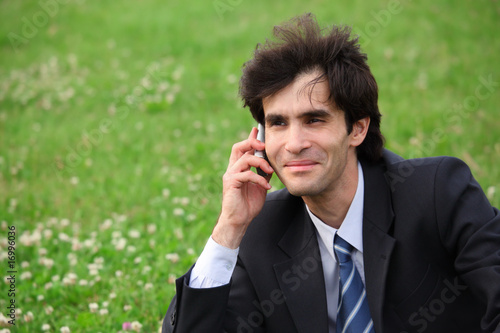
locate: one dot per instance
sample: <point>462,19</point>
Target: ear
<point>359,130</point>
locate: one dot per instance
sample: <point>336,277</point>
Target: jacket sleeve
<point>196,310</point>
<point>470,229</point>
<point>228,308</point>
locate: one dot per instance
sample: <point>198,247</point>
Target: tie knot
<point>342,248</point>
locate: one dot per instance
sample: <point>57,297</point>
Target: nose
<point>296,140</point>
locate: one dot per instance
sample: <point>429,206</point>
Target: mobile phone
<point>261,136</point>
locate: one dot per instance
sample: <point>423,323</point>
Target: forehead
<point>304,94</point>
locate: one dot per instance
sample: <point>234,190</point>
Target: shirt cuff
<point>214,267</point>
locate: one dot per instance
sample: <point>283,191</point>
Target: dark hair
<point>301,47</point>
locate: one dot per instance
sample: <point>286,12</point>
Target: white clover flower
<point>151,228</point>
<point>75,245</point>
<point>88,243</point>
<point>127,307</point>
<point>28,317</point>
<point>178,233</point>
<point>26,275</point>
<point>72,258</point>
<point>121,218</point>
<point>83,282</point>
<point>47,234</point>
<point>49,310</point>
<point>178,212</point>
<point>52,221</point>
<point>120,245</point>
<point>137,260</point>
<point>40,298</point>
<point>45,327</point>
<point>103,312</point>
<point>47,262</point>
<point>134,234</point>
<point>94,267</point>
<point>4,321</point>
<point>70,279</point>
<point>99,261</point>
<point>65,238</point>
<point>106,224</point>
<point>173,257</point>
<point>65,329</point>
<point>148,286</point>
<point>93,307</point>
<point>136,326</point>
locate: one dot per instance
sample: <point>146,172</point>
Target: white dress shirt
<point>216,263</point>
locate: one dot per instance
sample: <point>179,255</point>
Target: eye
<point>314,120</point>
<point>278,123</point>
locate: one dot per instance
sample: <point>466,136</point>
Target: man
<point>360,240</point>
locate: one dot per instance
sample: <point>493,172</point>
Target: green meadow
<point>117,119</point>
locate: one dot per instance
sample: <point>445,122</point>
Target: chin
<point>303,191</point>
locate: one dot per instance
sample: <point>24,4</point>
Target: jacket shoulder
<point>422,171</point>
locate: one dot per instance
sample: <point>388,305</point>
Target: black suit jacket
<point>431,257</point>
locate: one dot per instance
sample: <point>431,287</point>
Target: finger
<point>239,179</point>
<point>249,145</point>
<point>253,133</point>
<point>248,161</point>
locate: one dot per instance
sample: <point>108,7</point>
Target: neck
<point>331,207</point>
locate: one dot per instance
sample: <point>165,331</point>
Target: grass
<point>117,119</point>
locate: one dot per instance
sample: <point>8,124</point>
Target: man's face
<point>306,138</point>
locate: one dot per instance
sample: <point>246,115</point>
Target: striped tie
<point>353,314</point>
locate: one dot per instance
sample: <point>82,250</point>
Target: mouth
<point>300,166</point>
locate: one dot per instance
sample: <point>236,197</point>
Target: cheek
<point>271,152</point>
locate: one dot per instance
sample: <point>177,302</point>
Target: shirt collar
<point>351,228</point>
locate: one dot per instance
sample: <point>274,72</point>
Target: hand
<point>244,192</point>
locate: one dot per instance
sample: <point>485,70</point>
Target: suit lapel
<point>377,244</point>
<point>301,277</point>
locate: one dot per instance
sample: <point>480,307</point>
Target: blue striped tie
<point>353,314</point>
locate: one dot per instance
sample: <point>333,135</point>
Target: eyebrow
<point>316,113</point>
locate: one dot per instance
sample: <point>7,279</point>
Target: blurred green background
<point>117,119</point>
